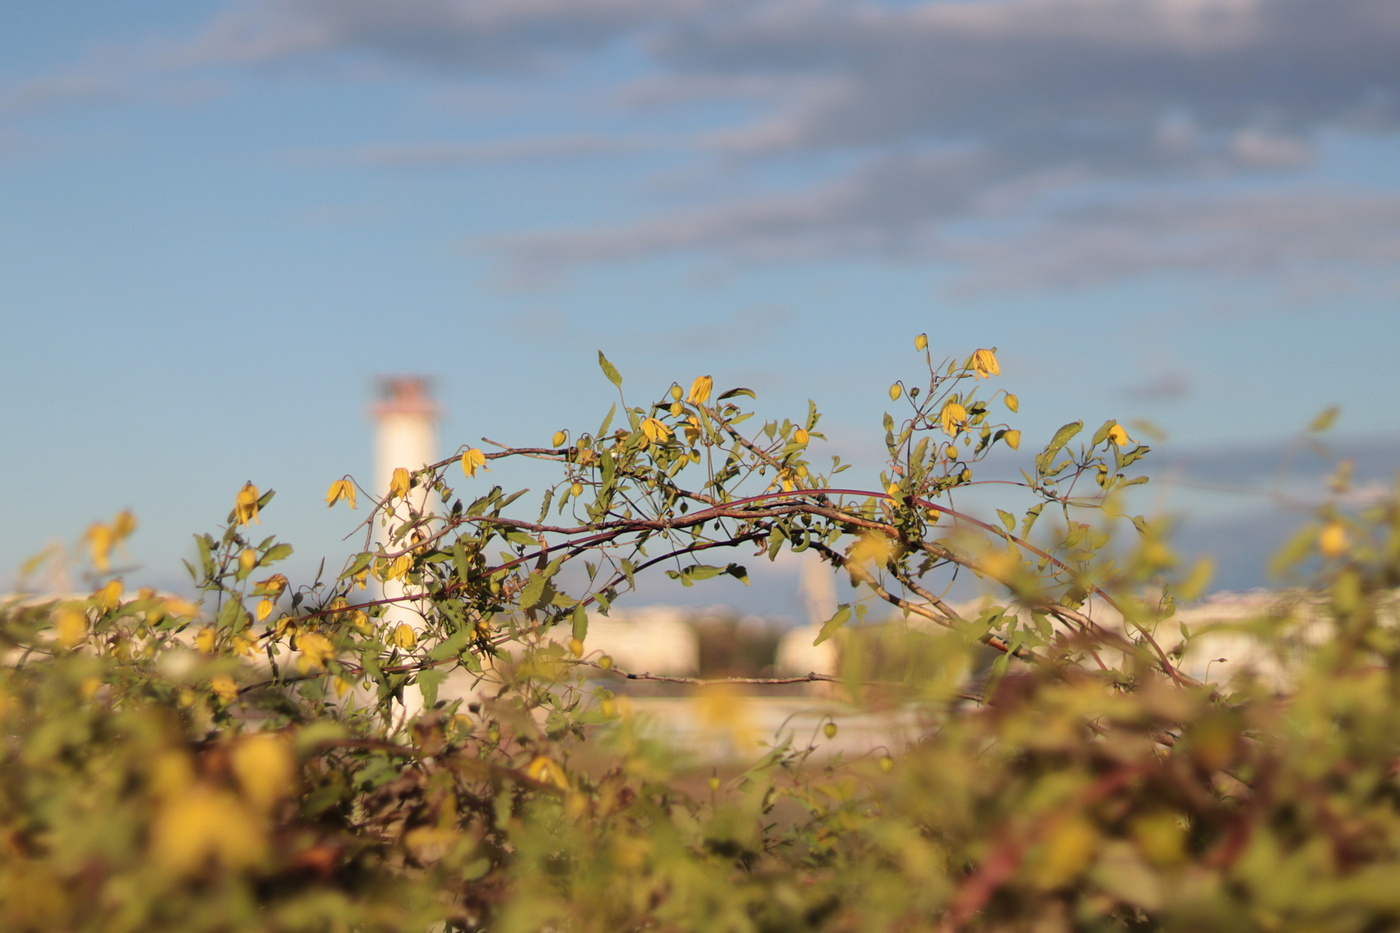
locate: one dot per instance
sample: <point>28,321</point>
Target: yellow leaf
<point>921,342</point>
<point>654,430</point>
<point>399,483</point>
<point>1333,540</point>
<point>984,363</point>
<point>700,390</point>
<point>473,460</point>
<point>952,417</point>
<point>204,640</point>
<point>1013,439</point>
<point>266,769</point>
<point>341,489</point>
<point>559,438</point>
<point>224,687</point>
<point>870,547</point>
<point>245,506</point>
<point>1012,402</point>
<point>315,648</point>
<point>100,540</point>
<point>70,626</point>
<point>1118,437</point>
<point>110,596</point>
<point>404,636</point>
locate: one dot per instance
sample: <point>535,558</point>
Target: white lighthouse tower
<point>405,419</point>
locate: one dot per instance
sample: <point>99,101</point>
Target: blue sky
<point>221,220</point>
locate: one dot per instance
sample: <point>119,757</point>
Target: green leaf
<point>277,552</point>
<point>734,393</point>
<point>580,623</point>
<point>534,590</point>
<point>833,624</point>
<point>429,681</point>
<point>1064,436</point>
<point>609,370</point>
<point>1324,420</point>
<point>1007,519</point>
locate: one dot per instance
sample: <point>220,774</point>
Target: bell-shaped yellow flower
<point>700,390</point>
<point>245,507</point>
<point>1118,437</point>
<point>316,649</point>
<point>952,417</point>
<point>921,342</point>
<point>341,489</point>
<point>473,460</point>
<point>655,431</point>
<point>399,483</point>
<point>984,362</point>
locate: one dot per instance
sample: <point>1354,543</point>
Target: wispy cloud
<point>1094,139</point>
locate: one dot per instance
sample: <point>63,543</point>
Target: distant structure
<point>405,419</point>
<point>796,653</point>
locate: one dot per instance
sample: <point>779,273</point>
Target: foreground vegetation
<point>262,761</point>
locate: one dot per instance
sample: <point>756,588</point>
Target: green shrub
<point>259,762</point>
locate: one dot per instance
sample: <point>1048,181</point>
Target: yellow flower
<point>1012,438</point>
<point>316,649</point>
<point>273,585</point>
<point>473,460</point>
<point>245,507</point>
<point>399,483</point>
<point>264,609</point>
<point>801,436</point>
<point>341,489</point>
<point>204,640</point>
<point>896,391</point>
<point>655,431</point>
<point>70,626</point>
<point>247,560</point>
<point>559,438</point>
<point>921,342</point>
<point>951,417</point>
<point>110,596</point>
<point>100,540</point>
<point>124,524</point>
<point>700,390</point>
<point>1012,402</point>
<point>266,769</point>
<point>547,771</point>
<point>1333,540</point>
<point>404,636</point>
<point>224,687</point>
<point>181,608</point>
<point>1118,437</point>
<point>692,429</point>
<point>985,363</point>
<point>205,824</point>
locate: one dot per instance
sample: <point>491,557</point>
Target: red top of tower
<point>404,395</point>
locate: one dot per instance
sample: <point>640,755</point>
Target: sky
<point>219,221</point>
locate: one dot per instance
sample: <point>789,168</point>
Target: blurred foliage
<point>288,757</point>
